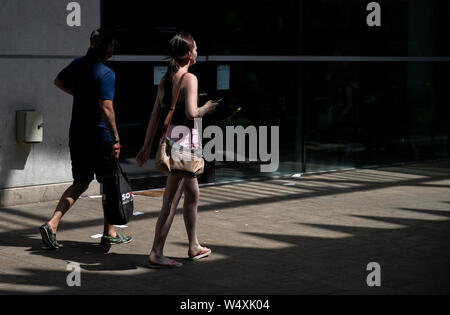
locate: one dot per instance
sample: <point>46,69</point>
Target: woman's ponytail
<point>178,47</point>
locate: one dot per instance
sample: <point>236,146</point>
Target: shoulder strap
<point>172,108</point>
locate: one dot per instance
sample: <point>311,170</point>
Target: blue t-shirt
<point>91,81</point>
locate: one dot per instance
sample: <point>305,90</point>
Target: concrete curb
<point>39,193</point>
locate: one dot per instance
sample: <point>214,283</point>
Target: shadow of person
<point>91,256</point>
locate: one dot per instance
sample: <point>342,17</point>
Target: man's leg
<point>111,237</point>
<point>66,202</point>
<point>108,229</point>
<point>48,230</point>
<point>104,168</point>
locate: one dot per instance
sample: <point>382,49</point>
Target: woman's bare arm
<point>154,119</point>
<point>144,154</point>
<point>191,99</point>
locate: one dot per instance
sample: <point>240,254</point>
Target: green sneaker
<point>119,239</point>
<point>48,237</point>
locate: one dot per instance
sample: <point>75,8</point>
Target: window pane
<point>286,27</point>
<point>145,27</point>
<point>362,114</point>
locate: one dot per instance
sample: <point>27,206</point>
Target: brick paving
<point>285,236</point>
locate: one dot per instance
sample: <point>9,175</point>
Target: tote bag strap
<point>172,108</point>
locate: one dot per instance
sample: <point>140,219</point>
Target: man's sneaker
<point>48,237</point>
<point>119,239</point>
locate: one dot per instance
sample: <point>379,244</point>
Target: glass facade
<point>342,93</point>
<point>363,114</point>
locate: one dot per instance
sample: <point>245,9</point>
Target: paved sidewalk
<point>310,235</point>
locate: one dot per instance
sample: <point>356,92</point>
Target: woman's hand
<point>143,156</point>
<point>211,106</point>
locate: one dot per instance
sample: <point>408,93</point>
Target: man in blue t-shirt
<point>93,138</point>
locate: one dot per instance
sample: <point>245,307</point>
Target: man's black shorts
<point>89,159</point>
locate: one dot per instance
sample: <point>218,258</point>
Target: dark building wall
<point>347,94</point>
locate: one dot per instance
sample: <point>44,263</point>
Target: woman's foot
<point>163,262</point>
<point>199,253</point>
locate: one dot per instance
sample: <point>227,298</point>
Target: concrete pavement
<point>310,235</point>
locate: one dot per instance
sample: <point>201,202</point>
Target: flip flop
<point>172,264</point>
<point>205,252</point>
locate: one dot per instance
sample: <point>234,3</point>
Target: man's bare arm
<point>109,118</point>
<point>61,85</point>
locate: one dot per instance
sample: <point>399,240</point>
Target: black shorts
<point>89,159</point>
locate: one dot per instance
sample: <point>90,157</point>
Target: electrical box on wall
<point>29,126</point>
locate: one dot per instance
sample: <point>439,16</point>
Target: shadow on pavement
<point>414,257</point>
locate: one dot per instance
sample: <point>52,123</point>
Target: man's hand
<point>116,150</point>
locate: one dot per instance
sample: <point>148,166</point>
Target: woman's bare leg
<point>172,195</point>
<point>191,197</point>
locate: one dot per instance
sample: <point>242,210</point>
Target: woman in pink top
<point>182,51</point>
